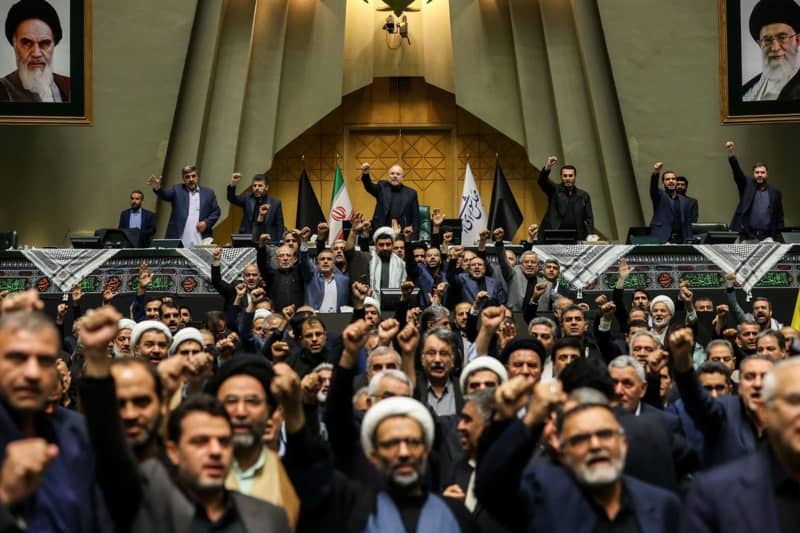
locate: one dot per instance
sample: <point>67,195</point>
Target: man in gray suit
<point>147,498</point>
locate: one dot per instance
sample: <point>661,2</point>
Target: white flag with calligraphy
<point>472,214</point>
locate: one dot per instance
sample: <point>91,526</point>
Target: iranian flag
<point>341,208</point>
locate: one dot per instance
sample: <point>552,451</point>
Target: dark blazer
<point>547,497</point>
<point>558,202</point>
<point>661,223</point>
<point>143,498</point>
<point>148,228</point>
<point>315,288</point>
<point>727,432</point>
<point>747,192</point>
<point>466,287</point>
<point>694,209</point>
<point>382,192</point>
<point>739,496</point>
<point>420,392</point>
<point>178,196</point>
<point>249,204</point>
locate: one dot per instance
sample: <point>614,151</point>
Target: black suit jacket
<point>148,228</point>
<point>739,496</point>
<point>273,224</point>
<point>747,192</point>
<point>382,192</point>
<point>694,209</point>
<point>663,214</point>
<point>558,202</point>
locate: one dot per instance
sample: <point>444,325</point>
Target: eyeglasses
<point>783,38</point>
<point>583,439</point>
<point>391,445</point>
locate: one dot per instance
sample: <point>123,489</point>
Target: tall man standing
<point>568,207</point>
<point>694,208</point>
<point>250,203</point>
<point>759,214</point>
<point>394,201</point>
<point>194,208</point>
<point>671,216</point>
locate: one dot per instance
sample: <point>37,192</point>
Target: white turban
<point>183,335</point>
<point>383,230</point>
<point>484,362</point>
<point>661,298</point>
<point>395,406</point>
<point>261,313</point>
<point>126,323</point>
<point>147,325</point>
<point>369,300</point>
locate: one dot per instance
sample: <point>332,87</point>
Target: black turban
<point>523,343</point>
<point>248,364</point>
<point>32,9</point>
<point>772,12</point>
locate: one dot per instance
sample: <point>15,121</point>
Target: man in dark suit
<point>139,218</point>
<point>758,492</point>
<point>394,201</point>
<point>250,202</point>
<point>694,208</point>
<point>568,207</point>
<point>194,208</point>
<point>146,498</point>
<point>759,214</point>
<point>731,425</point>
<point>587,492</point>
<point>671,220</point>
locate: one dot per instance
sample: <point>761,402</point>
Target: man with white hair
<point>774,26</point>
<point>394,201</point>
<point>150,340</point>
<point>122,341</point>
<point>396,436</point>
<point>33,29</point>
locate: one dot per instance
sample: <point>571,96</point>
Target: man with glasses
<point>242,385</point>
<point>435,386</point>
<point>774,27</point>
<point>587,491</point>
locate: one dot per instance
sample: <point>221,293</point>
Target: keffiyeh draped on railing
<point>749,261</point>
<point>581,264</point>
<point>233,261</point>
<point>66,267</point>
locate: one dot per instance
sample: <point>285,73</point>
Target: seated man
<point>139,218</point>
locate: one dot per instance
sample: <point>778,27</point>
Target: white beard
<point>37,81</point>
<point>780,72</point>
<point>599,475</point>
<point>119,354</point>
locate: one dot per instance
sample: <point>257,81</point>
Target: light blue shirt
<point>135,220</point>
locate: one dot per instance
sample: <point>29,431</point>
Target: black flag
<point>309,213</point>
<point>504,211</point>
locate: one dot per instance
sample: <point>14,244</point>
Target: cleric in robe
<point>33,30</point>
<point>774,26</point>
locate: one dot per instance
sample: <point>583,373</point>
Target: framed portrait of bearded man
<point>759,60</point>
<point>45,65</point>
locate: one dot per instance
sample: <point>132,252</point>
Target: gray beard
<point>120,355</point>
<point>37,81</point>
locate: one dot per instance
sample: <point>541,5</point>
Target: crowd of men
<point>634,412</point>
